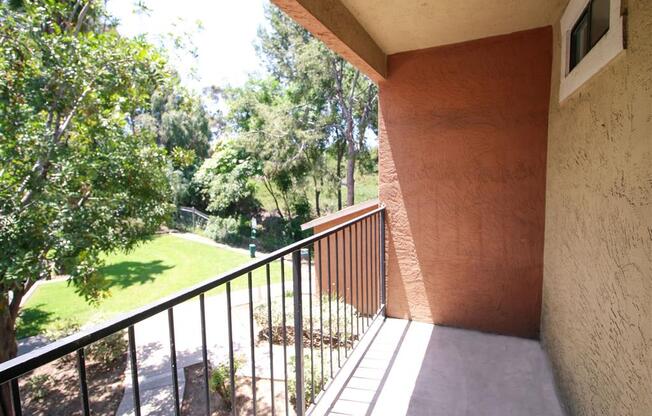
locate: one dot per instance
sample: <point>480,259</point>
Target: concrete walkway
<point>153,347</point>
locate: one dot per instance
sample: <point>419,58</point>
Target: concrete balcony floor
<point>410,368</point>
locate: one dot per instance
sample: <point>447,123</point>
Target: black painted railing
<point>346,283</point>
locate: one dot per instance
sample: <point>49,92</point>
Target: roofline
<point>339,214</point>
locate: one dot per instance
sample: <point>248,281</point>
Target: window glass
<point>599,20</point>
<point>580,39</point>
<point>592,24</point>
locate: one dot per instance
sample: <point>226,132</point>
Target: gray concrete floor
<point>412,368</point>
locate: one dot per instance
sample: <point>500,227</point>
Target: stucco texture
<point>463,132</point>
<point>597,288</point>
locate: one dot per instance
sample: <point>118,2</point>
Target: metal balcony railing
<point>346,279</point>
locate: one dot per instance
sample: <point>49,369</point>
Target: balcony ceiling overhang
<point>366,31</point>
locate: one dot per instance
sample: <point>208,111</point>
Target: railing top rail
<point>195,211</point>
<point>48,353</point>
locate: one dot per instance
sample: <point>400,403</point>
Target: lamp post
<point>252,245</point>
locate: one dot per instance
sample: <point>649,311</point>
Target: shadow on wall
<point>463,153</point>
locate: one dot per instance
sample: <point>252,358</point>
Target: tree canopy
<point>75,179</point>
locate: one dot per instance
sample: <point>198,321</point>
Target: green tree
<point>75,180</point>
<point>340,104</point>
<point>225,180</point>
<point>180,123</point>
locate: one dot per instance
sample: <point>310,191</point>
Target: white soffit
<point>404,25</point>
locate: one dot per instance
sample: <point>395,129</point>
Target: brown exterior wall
<point>356,267</point>
<point>597,292</point>
<point>463,134</point>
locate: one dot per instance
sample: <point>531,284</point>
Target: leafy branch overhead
<point>75,179</point>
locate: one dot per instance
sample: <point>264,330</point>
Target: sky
<point>224,43</point>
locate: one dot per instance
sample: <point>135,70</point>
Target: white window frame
<point>607,48</point>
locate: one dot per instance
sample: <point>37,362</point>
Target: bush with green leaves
<point>219,380</point>
<point>225,230</point>
<point>37,386</point>
<point>312,377</point>
<point>109,349</point>
<point>320,333</point>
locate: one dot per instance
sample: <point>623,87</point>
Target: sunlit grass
<point>158,268</point>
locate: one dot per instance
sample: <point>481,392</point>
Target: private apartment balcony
<point>512,228</point>
<point>356,360</point>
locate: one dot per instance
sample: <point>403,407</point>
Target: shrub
<point>308,376</point>
<point>61,328</point>
<point>220,381</point>
<point>37,386</point>
<point>260,316</point>
<point>109,349</point>
<point>225,230</point>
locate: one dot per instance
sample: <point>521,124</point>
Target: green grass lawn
<point>157,268</point>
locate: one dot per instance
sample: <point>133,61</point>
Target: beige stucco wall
<point>597,288</point>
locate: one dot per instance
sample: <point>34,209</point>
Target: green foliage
<point>109,349</point>
<point>75,179</point>
<point>179,122</point>
<point>219,380</point>
<point>226,230</point>
<point>310,375</point>
<point>62,328</point>
<point>37,385</point>
<point>226,180</point>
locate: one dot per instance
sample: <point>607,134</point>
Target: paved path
<point>153,347</point>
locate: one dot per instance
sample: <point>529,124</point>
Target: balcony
<point>356,360</point>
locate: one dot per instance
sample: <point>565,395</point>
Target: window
<point>589,29</point>
<point>592,35</point>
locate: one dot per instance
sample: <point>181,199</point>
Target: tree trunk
<point>8,346</point>
<point>338,174</point>
<point>317,192</point>
<point>350,171</point>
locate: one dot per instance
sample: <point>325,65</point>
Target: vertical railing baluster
<point>372,262</point>
<point>134,370</point>
<point>83,383</point>
<point>357,281</point>
<point>383,293</point>
<point>337,299</point>
<point>321,310</point>
<point>363,281</point>
<point>330,311</point>
<point>312,352</point>
<point>173,363</point>
<point>351,280</point>
<point>15,397</point>
<point>366,265</point>
<point>346,351</point>
<point>269,334</point>
<point>284,330</point>
<point>252,341</point>
<point>377,240</point>
<point>204,352</point>
<point>229,319</point>
<point>298,333</point>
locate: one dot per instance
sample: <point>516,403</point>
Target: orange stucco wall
<point>463,132</point>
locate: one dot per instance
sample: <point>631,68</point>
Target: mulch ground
<point>194,402</point>
<point>57,393</point>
